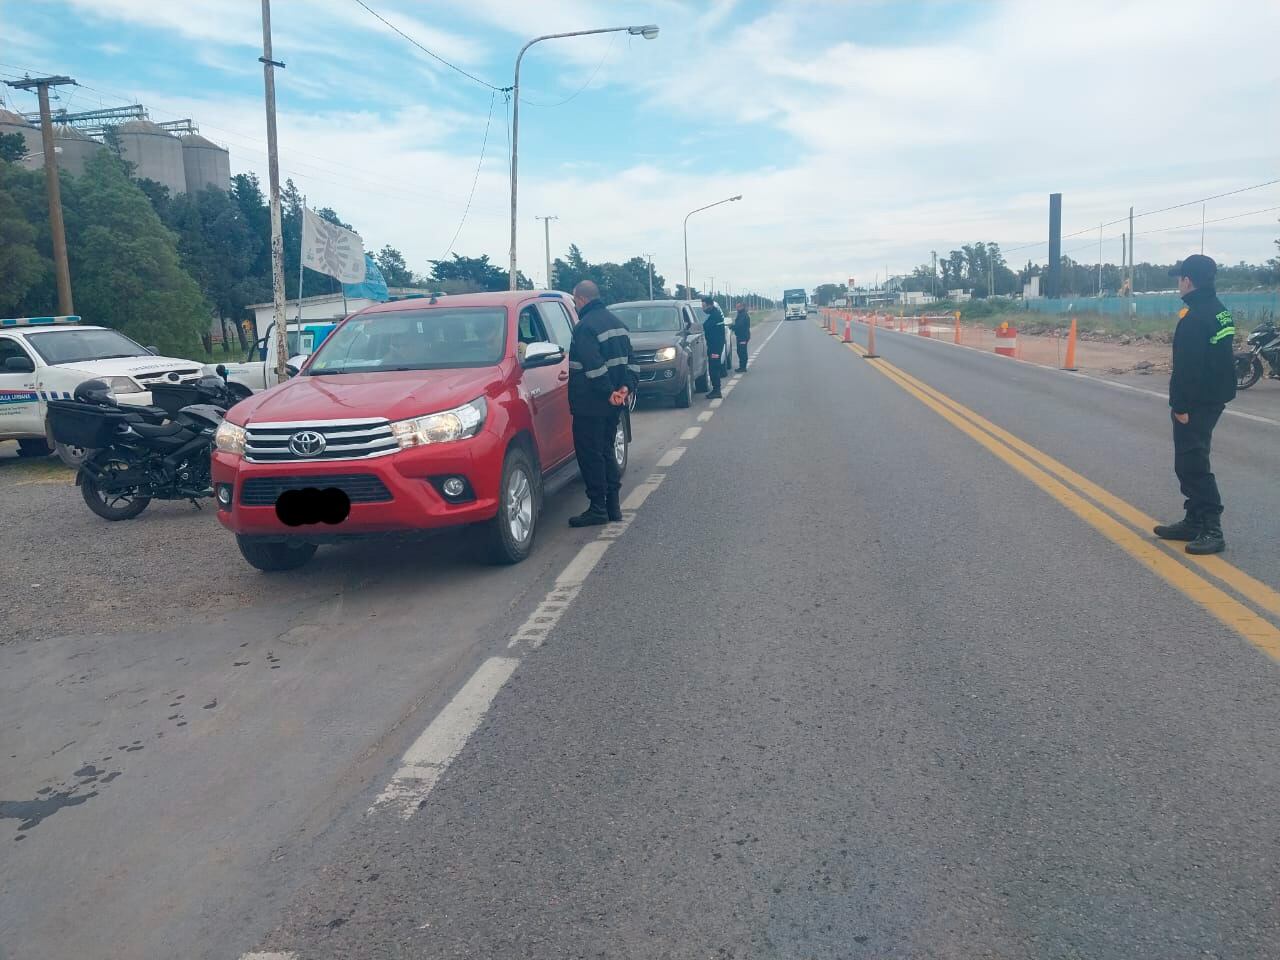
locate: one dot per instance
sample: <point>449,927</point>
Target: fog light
<point>224,496</point>
<point>453,487</point>
<point>668,374</point>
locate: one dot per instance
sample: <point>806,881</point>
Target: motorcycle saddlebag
<point>84,425</point>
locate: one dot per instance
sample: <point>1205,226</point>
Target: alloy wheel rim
<point>519,506</point>
<point>619,445</point>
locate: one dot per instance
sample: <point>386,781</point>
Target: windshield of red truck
<point>414,340</point>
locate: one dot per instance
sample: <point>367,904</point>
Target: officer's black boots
<point>594,516</point>
<point>613,508</point>
<point>1187,528</point>
<point>1210,539</point>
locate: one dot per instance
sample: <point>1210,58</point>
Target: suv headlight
<point>229,438</point>
<point>120,385</point>
<point>456,424</point>
<point>665,354</point>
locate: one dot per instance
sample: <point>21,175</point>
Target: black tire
<point>685,397</point>
<point>272,556</point>
<point>508,537</point>
<point>621,448</point>
<point>110,506</point>
<point>34,448</point>
<point>1248,370</point>
<point>703,383</point>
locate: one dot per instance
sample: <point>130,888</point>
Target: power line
<point>1148,213</point>
<point>1181,226</point>
<point>575,94</point>
<point>430,53</point>
<point>492,98</point>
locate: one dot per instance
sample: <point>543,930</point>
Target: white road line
<point>543,619</point>
<point>269,956</point>
<point>635,500</point>
<point>1077,375</point>
<point>425,762</point>
<point>582,565</point>
<point>715,404</point>
<point>703,417</point>
<point>672,457</point>
<point>691,433</point>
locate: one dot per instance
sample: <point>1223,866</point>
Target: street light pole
<point>648,31</point>
<point>688,290</point>
<point>649,257</point>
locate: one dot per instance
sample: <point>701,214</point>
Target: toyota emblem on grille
<point>307,443</point>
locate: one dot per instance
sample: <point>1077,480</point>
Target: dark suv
<point>669,347</point>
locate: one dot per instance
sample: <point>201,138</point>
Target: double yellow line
<point>1104,512</point>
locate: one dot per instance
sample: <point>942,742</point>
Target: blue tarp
<point>374,286</point>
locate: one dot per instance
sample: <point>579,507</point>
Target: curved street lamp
<point>688,291</point>
<point>648,31</point>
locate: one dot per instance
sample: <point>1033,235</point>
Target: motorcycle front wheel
<point>1248,370</point>
<point>124,504</point>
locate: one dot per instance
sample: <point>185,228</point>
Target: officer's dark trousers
<point>742,354</point>
<point>1191,444</point>
<point>715,362</point>
<point>593,441</point>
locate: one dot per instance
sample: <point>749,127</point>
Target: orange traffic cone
<point>1070,362</point>
<point>871,341</point>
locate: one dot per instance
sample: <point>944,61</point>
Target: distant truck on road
<point>795,304</point>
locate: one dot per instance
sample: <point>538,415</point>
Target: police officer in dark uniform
<point>742,334</point>
<point>1203,382</point>
<point>713,330</point>
<point>602,376</point>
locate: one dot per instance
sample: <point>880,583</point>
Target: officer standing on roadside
<point>1202,383</point>
<point>601,379</point>
<point>742,334</point>
<point>713,330</point>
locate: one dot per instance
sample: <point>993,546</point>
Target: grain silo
<point>74,148</point>
<point>206,164</point>
<point>155,154</point>
<point>14,123</point>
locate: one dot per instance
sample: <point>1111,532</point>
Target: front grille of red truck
<point>340,440</point>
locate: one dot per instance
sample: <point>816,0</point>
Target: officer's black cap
<point>1197,268</point>
<point>708,299</point>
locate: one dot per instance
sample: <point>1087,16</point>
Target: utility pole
<point>1099,261</point>
<point>273,171</point>
<point>649,257</point>
<point>934,277</point>
<point>1133,270</point>
<point>66,306</point>
<point>546,229</point>
<point>1202,228</point>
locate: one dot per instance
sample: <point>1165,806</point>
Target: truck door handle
<point>564,375</point>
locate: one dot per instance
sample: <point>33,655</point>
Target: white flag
<point>328,248</point>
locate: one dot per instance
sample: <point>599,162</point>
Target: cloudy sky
<point>862,134</point>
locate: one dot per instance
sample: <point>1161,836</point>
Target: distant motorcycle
<point>1264,344</point>
<point>140,454</point>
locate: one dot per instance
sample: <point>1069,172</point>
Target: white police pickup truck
<point>46,358</point>
<point>258,371</point>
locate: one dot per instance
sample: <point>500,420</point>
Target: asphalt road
<point>849,682</point>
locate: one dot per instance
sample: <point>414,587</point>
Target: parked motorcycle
<point>1264,344</point>
<point>140,454</point>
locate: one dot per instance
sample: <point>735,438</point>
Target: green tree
<point>824,293</point>
<point>394,268</point>
<point>125,268</point>
<point>23,267</point>
<point>472,275</point>
<point>13,147</point>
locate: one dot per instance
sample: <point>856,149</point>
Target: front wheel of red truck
<point>272,556</point>
<point>509,535</point>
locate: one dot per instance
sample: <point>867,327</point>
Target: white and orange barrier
<point>1006,340</point>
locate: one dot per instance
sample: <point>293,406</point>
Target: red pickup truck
<point>413,415</point>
